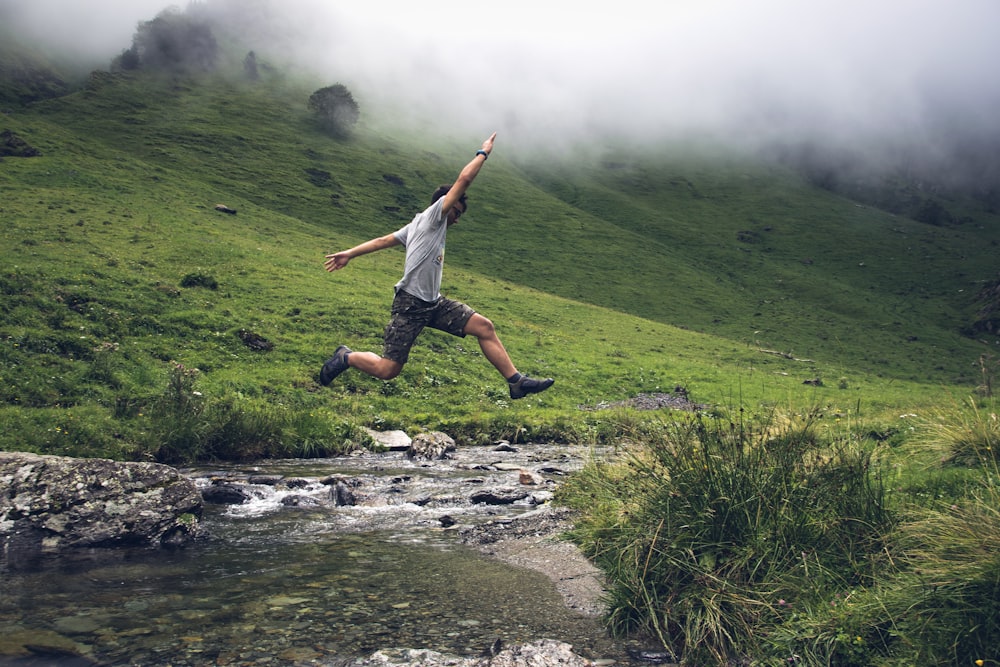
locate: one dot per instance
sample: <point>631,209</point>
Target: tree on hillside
<point>171,41</point>
<point>335,109</point>
<point>250,66</point>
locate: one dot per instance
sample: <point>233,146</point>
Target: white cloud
<point>543,70</point>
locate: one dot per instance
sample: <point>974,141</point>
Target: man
<point>418,302</point>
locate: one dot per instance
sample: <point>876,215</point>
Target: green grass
<point>617,274</point>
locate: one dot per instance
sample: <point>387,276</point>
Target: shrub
<point>177,426</point>
<point>199,280</point>
<point>335,109</point>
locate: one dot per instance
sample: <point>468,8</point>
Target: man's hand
<point>337,261</point>
<point>488,144</point>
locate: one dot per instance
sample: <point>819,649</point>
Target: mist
<point>856,74</point>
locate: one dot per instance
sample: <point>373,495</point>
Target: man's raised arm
<point>468,174</point>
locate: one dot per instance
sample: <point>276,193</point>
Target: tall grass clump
<point>945,601</point>
<point>966,434</point>
<point>715,532</point>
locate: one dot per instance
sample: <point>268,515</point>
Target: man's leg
<point>409,316</point>
<point>493,349</point>
<point>490,344</point>
<point>368,362</point>
<point>374,365</point>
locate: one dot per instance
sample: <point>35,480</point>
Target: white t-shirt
<point>424,238</point>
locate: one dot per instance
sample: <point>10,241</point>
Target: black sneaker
<point>335,365</point>
<point>527,385</point>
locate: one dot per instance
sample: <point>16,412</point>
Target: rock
<point>22,643</point>
<point>655,656</point>
<point>536,654</point>
<point>255,341</point>
<point>14,146</point>
<point>342,495</point>
<point>54,503</point>
<point>393,441</point>
<point>265,480</point>
<point>299,501</point>
<point>529,478</point>
<point>433,445</point>
<point>224,494</point>
<point>498,496</point>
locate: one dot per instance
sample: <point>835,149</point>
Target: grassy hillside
<point>616,274</point>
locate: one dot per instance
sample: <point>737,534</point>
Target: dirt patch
<point>676,400</point>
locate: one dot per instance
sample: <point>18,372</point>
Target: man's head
<point>457,210</point>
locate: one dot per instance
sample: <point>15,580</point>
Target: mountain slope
<point>116,263</point>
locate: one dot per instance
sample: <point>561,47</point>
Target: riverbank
<point>534,541</point>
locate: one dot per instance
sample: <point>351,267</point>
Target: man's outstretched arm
<point>468,174</point>
<point>340,259</point>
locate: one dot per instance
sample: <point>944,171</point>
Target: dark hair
<point>443,190</point>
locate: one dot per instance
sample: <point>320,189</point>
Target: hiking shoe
<point>527,385</point>
<point>335,365</point>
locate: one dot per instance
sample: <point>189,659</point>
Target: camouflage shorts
<point>409,317</point>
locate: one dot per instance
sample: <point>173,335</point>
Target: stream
<point>325,561</point>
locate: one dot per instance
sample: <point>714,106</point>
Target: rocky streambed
<point>413,555</point>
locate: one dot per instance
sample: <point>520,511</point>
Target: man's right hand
<point>488,144</point>
<point>337,261</point>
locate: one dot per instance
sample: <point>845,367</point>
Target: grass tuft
<point>714,530</point>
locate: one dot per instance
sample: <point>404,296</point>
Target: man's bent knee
<point>480,327</point>
<point>388,369</point>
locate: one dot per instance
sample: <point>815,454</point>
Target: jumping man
<point>418,302</point>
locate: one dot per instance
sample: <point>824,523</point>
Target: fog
<point>841,73</point>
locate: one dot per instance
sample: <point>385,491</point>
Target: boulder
<point>498,496</point>
<point>222,493</point>
<point>392,441</point>
<point>53,503</point>
<point>433,445</point>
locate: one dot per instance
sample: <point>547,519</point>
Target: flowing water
<point>289,578</point>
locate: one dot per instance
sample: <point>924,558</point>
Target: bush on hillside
<point>335,108</point>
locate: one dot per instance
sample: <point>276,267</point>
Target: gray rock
<point>342,495</point>
<point>299,501</point>
<point>54,503</point>
<point>433,445</point>
<point>265,480</point>
<point>222,493</point>
<point>498,496</point>
<point>393,441</point>
<point>536,654</point>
